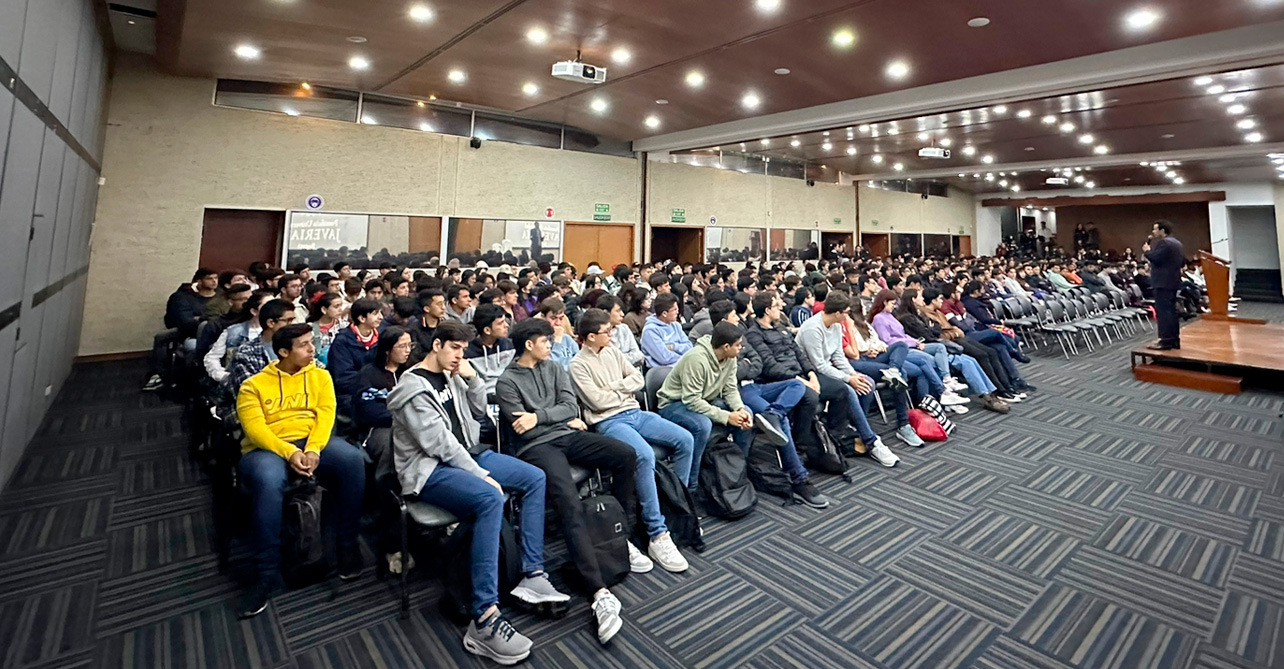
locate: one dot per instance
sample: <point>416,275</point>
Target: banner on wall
<point>310,231</point>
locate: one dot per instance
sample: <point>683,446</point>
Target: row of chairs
<point>1070,317</point>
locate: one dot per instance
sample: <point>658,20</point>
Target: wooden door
<point>608,244</point>
<point>877,244</point>
<point>234,238</point>
<point>965,246</point>
<point>690,246</point>
<point>425,234</point>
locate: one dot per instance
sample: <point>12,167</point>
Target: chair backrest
<point>1135,290</point>
<point>1027,305</point>
<point>1103,301</point>
<point>1086,305</point>
<point>1014,307</point>
<point>654,379</point>
<point>1054,307</point>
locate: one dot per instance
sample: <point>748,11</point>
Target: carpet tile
<point>1105,523</point>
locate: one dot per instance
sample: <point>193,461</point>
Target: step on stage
<point>1217,355</point>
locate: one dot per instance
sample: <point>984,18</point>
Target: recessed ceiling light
<point>1003,183</point>
<point>1101,149</point>
<point>1216,90</point>
<point>1000,109</point>
<point>750,100</point>
<point>1090,184</point>
<point>1236,109</point>
<point>1144,164</point>
<point>1025,113</point>
<point>1029,148</point>
<point>457,76</point>
<point>851,150</point>
<point>530,88</point>
<point>425,126</point>
<point>247,52</point>
<point>765,142</point>
<point>978,22</point>
<point>976,176</point>
<point>795,143</point>
<point>432,96</point>
<point>987,159</point>
<point>899,167</point>
<point>843,38</point>
<point>1203,81</point>
<point>1167,136</point>
<point>1253,137</point>
<point>897,69</point>
<point>1079,179</point>
<point>782,71</point>
<point>1227,99</point>
<point>1246,124</point>
<point>989,177</point>
<point>695,79</point>
<point>945,142</point>
<point>1085,139</point>
<point>767,6</point>
<point>877,158</point>
<point>358,63</point>
<point>1049,119</point>
<point>863,129</point>
<point>1016,189</point>
<point>599,105</point>
<point>621,56</point>
<point>923,137</point>
<point>1179,181</point>
<point>357,39</point>
<point>652,122</point>
<point>305,86</point>
<point>421,13</point>
<point>537,35</point>
<point>1170,174</point>
<point>827,146</point>
<point>290,111</point>
<point>369,120</point>
<point>969,150</point>
<point>1067,127</point>
<point>132,22</point>
<point>825,133</point>
<point>1141,19</point>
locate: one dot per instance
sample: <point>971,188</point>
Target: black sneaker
<point>807,493</point>
<point>254,601</point>
<point>1025,387</point>
<point>351,566</point>
<point>154,383</point>
<point>770,428</point>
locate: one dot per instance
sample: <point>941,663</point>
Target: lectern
<point>1217,281</point>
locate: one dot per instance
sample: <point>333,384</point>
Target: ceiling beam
<point>1250,46</point>
<point>1102,200</point>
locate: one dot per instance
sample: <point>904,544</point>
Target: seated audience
<point>253,355</point>
<point>663,341</point>
<point>621,336</point>
<point>908,315</point>
<point>459,303</point>
<point>490,352</point>
<point>326,319</point>
<point>222,351</point>
<point>352,349</point>
<point>553,311</point>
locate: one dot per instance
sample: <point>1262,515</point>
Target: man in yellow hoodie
<point>287,411</point>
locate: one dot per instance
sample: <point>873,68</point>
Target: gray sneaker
<point>606,611</point>
<point>538,590</point>
<point>497,640</point>
<point>907,434</point>
<point>883,454</point>
<point>770,427</point>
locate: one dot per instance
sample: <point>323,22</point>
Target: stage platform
<point>1215,355</point>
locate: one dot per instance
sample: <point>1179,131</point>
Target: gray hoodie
<point>544,390</point>
<point>421,435</point>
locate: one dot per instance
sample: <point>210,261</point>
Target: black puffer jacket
<point>918,327</point>
<point>781,357</point>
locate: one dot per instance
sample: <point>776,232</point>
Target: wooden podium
<point>1217,280</point>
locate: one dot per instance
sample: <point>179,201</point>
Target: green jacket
<point>699,378</point>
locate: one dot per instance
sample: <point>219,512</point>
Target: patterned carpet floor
<point>1103,523</point>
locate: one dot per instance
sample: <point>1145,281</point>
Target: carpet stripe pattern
<point>1104,523</point>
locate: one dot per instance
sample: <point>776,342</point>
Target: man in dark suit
<point>1166,257</point>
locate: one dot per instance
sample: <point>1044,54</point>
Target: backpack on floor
<point>608,530</point>
<point>456,569</point>
<point>724,481</point>
<point>766,470</point>
<point>823,454</point>
<point>679,509</point>
<point>302,548</point>
<point>933,408</point>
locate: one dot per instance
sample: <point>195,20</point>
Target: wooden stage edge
<point>1228,352</point>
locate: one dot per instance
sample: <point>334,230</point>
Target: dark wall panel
<point>1122,226</point>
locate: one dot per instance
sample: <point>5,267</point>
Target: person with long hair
<point>325,315</point>
<point>908,314</point>
<point>637,307</point>
<point>890,331</point>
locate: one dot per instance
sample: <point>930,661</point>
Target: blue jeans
<point>832,390</point>
<point>921,365</point>
<point>1003,345</point>
<point>973,374</point>
<point>642,430</point>
<point>874,369</point>
<point>468,496</point>
<point>341,471</point>
<point>777,398</point>
<point>940,357</point>
<point>700,428</point>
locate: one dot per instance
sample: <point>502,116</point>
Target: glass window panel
<point>903,243</point>
<point>519,131</point>
<point>291,99</point>
<point>794,244</point>
<point>779,167</point>
<point>734,244</point>
<point>322,239</point>
<point>415,115</point>
<point>583,140</point>
<point>937,245</point>
<point>499,241</point>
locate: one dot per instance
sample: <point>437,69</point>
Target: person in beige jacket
<point>605,382</point>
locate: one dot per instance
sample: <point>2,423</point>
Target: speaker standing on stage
<point>1166,257</point>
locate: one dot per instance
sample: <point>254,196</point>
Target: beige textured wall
<point>170,154</point>
<point>909,212</point>
<point>746,200</point>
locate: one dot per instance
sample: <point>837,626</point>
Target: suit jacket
<point>1166,258</point>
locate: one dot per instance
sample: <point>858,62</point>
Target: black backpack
<point>766,471</point>
<point>456,569</point>
<point>608,529</point>
<point>823,453</point>
<point>302,549</point>
<point>724,480</point>
<point>679,509</point>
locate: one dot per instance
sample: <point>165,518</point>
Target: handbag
<point>925,426</point>
<point>932,408</point>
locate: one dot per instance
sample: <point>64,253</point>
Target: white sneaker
<point>907,434</point>
<point>395,563</point>
<point>883,454</point>
<point>666,554</point>
<point>606,610</point>
<point>638,563</point>
<point>951,398</point>
<point>956,408</point>
<point>953,384</point>
<point>893,376</point>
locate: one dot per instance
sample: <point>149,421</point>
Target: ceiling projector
<point>1057,181</point>
<point>934,152</point>
<point>580,73</point>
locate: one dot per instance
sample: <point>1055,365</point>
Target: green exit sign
<point>601,212</point>
<point>838,221</point>
<point>679,216</point>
